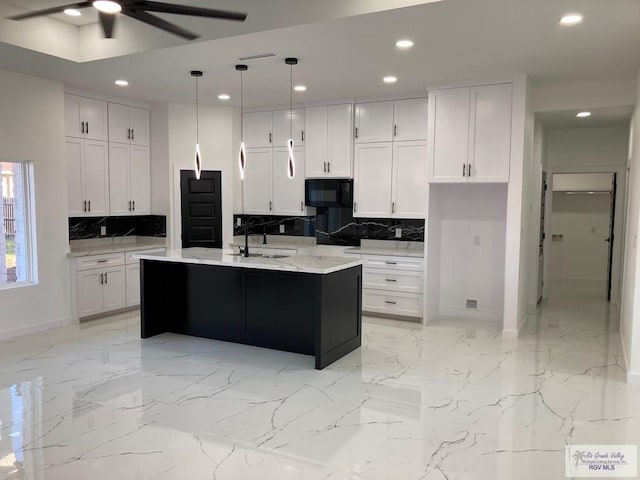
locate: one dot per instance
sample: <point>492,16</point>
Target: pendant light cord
<point>290,101</point>
<point>197,115</point>
<point>241,109</point>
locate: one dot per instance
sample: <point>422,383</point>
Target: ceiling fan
<point>139,10</point>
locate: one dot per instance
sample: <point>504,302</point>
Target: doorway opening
<point>582,226</point>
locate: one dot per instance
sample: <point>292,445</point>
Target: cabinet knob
<point>393,207</point>
<point>469,170</point>
<point>464,169</point>
<point>302,206</point>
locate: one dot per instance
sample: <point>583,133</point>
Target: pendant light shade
<point>197,158</point>
<point>291,162</point>
<point>242,154</point>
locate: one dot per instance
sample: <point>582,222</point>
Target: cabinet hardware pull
<point>87,127</point>
<point>469,170</point>
<point>464,170</point>
<point>302,136</point>
<point>356,132</point>
<point>269,205</point>
<point>106,278</point>
<point>133,134</point>
<point>133,204</point>
<point>269,137</point>
<point>393,207</point>
<point>81,127</point>
<point>302,206</point>
<point>389,302</point>
<point>324,167</point>
<point>128,134</point>
<point>390,263</point>
<point>328,167</point>
<point>355,207</point>
<point>84,206</point>
<point>395,130</point>
<point>390,280</point>
<point>102,279</point>
<point>129,205</point>
<point>89,203</point>
<point>103,261</point>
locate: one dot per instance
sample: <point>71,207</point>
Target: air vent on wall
<point>472,304</point>
<point>256,56</point>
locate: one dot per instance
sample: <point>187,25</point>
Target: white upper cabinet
<point>87,178</point>
<point>374,122</point>
<point>372,182</point>
<point>258,129</point>
<point>85,117</point>
<point>140,180</point>
<point>329,141</point>
<point>410,119</point>
<point>282,130</point>
<point>128,124</point>
<point>288,193</point>
<point>256,188</point>
<point>470,134</point>
<point>316,141</point>
<point>409,179</point>
<point>129,179</point>
<point>490,139</point>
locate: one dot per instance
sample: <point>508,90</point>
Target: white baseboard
<point>633,378</point>
<point>38,327</point>
<point>457,312</point>
<point>509,333</point>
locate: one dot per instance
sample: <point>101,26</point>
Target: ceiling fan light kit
<point>139,10</point>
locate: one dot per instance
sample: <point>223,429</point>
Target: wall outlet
<point>103,230</point>
<point>239,222</point>
<point>281,228</point>
<point>398,233</point>
<point>472,303</point>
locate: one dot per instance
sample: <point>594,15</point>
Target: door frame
<point>619,222</point>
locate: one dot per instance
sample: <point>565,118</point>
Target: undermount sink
<point>261,255</point>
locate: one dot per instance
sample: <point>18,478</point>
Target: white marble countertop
<point>101,249</point>
<point>392,252</point>
<point>281,242</point>
<point>297,263</point>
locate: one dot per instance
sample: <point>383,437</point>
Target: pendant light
<point>291,163</point>
<point>197,157</point>
<point>242,155</point>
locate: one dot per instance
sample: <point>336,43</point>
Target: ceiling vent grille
<point>256,56</point>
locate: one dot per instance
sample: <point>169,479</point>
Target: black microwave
<point>328,192</point>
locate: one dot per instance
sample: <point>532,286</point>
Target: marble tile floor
<point>449,401</point>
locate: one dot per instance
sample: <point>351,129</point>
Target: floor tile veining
<point>449,401</point>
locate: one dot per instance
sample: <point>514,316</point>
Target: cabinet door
<point>119,196</point>
<point>288,193</point>
<point>340,140</point>
<point>94,113</point>
<point>139,180</point>
<point>448,142</point>
<point>114,288</point>
<point>490,136</point>
<point>282,131</point>
<point>409,179</point>
<point>132,278</point>
<point>96,177</point>
<point>139,124</point>
<point>258,129</point>
<point>374,122</point>
<point>72,121</point>
<point>315,119</point>
<point>75,198</point>
<point>256,188</point>
<point>89,292</point>
<point>372,183</point>
<point>410,119</point>
<point>119,129</point>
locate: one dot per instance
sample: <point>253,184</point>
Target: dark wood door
<point>201,209</point>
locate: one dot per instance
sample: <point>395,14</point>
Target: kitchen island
<point>302,304</point>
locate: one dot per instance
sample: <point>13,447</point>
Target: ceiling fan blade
<point>49,11</point>
<point>159,23</point>
<point>107,21</point>
<point>194,11</point>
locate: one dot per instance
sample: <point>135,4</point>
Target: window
<point>16,229</point>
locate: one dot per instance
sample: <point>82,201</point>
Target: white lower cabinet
<point>100,290</point>
<point>133,284</point>
<point>392,285</point>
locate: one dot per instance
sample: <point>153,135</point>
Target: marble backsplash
<point>145,225</point>
<point>333,226</point>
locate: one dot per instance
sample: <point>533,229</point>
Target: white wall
<point>587,147</point>
<point>581,95</point>
<point>160,191</point>
<point>582,182</point>
<point>31,128</point>
<point>217,132</point>
<point>583,222</point>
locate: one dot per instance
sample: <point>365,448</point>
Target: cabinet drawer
<point>405,304</point>
<point>394,280</point>
<point>393,263</point>
<point>130,256</point>
<point>99,261</point>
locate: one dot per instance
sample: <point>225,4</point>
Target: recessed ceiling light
<point>72,12</point>
<point>390,79</point>
<point>223,96</point>
<point>405,43</point>
<point>300,88</point>
<point>107,6</point>
<point>583,114</point>
<point>121,83</point>
<point>571,19</point>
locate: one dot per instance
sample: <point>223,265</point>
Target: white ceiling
<point>345,58</point>
<point>600,117</point>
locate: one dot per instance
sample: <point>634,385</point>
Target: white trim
<point>624,350</point>
<point>633,378</point>
<point>38,327</point>
<point>106,98</point>
<point>509,333</point>
<point>473,314</point>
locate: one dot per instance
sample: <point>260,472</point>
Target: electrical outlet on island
<point>103,230</point>
<point>398,233</point>
<point>281,228</point>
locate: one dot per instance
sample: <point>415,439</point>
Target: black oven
<point>328,192</point>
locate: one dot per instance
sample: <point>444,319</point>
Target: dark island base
<point>311,314</point>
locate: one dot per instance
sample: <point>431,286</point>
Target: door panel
<point>201,209</point>
<point>410,119</point>
<point>372,184</point>
<point>281,127</point>
<point>316,141</point>
<point>374,122</point>
<point>139,123</point>
<point>114,288</point>
<point>132,278</point>
<point>409,179</point>
<point>96,177</point>
<point>72,120</point>
<point>89,287</point>
<point>94,112</point>
<point>139,179</point>
<point>288,193</point>
<point>340,140</point>
<point>258,129</point>
<point>256,188</point>
<point>75,181</point>
<point>119,123</point>
<point>119,195</point>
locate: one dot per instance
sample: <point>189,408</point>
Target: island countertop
<point>213,256</point>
